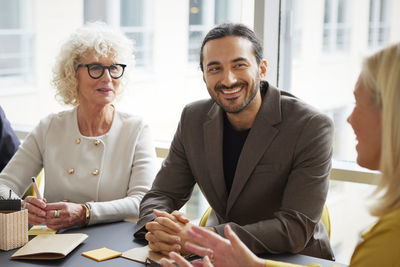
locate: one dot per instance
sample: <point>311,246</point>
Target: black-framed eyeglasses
<point>95,71</point>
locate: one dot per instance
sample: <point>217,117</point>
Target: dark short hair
<point>233,29</point>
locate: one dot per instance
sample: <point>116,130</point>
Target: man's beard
<point>246,102</point>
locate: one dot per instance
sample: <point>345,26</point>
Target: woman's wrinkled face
<point>366,121</point>
<point>98,92</point>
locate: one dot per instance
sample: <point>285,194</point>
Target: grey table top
<point>119,236</point>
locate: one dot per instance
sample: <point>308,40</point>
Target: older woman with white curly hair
<point>98,162</point>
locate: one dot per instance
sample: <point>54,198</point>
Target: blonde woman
<point>98,162</point>
<point>375,121</point>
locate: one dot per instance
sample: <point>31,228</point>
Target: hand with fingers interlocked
<point>168,232</point>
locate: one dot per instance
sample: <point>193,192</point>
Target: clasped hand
<point>55,215</point>
<point>168,232</point>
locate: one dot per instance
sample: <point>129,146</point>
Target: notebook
<point>143,255</point>
<point>49,247</point>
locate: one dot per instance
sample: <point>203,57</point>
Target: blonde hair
<point>94,37</point>
<point>381,75</point>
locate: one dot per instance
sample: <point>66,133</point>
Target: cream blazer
<point>114,170</point>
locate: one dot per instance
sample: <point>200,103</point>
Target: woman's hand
<point>222,252</point>
<point>64,214</point>
<point>36,209</point>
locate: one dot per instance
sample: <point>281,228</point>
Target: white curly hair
<point>94,37</point>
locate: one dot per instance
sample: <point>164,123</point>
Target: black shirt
<point>232,147</point>
<point>233,144</point>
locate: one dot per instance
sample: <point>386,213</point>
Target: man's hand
<point>164,232</point>
<point>184,263</point>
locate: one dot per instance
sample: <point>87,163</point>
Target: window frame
<point>267,15</point>
<point>112,16</point>
<point>210,20</point>
<point>22,82</point>
<point>333,27</point>
<point>375,25</point>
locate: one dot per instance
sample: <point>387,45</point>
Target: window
<point>133,17</point>
<point>16,42</point>
<point>378,31</point>
<point>336,25</point>
<point>297,31</point>
<point>135,22</point>
<point>205,14</point>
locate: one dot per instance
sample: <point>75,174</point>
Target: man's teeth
<point>232,91</point>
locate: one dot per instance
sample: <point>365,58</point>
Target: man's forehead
<point>228,40</point>
<point>231,47</point>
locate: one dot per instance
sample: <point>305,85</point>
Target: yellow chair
<point>40,183</point>
<point>204,218</point>
<point>324,218</point>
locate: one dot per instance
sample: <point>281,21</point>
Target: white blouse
<point>114,170</point>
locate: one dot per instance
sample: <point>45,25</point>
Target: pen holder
<point>13,229</point>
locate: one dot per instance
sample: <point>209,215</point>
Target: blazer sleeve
<point>172,187</point>
<point>144,168</point>
<point>304,196</point>
<point>9,141</point>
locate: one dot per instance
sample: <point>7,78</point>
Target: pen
<point>35,187</point>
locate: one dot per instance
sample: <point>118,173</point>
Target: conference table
<point>119,236</point>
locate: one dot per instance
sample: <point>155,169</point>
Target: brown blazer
<point>281,181</point>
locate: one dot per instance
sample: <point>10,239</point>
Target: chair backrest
<point>204,218</point>
<point>324,218</point>
<point>40,182</point>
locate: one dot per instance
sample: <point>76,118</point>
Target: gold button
<point>96,142</point>
<point>77,141</point>
<point>71,171</point>
<point>95,172</point>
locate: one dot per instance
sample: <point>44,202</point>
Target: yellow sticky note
<point>41,230</point>
<point>101,254</point>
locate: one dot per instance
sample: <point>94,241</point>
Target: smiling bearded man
<point>260,156</point>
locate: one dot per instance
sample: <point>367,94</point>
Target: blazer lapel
<point>261,135</point>
<point>213,134</point>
